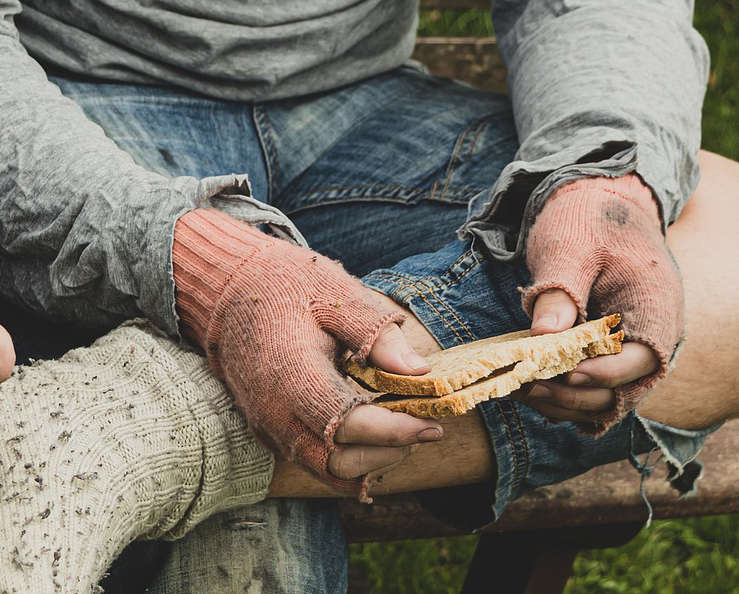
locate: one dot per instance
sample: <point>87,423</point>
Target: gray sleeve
<point>599,88</point>
<point>85,233</point>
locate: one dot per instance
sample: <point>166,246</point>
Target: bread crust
<point>464,376</point>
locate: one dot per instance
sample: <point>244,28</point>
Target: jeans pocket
<point>400,137</point>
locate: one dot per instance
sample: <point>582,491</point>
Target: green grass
<point>698,555</point>
<point>671,557</point>
<point>435,565</point>
<point>718,22</point>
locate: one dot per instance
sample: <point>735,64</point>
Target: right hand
<point>371,439</point>
<point>273,319</point>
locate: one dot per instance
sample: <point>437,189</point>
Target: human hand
<point>7,355</point>
<point>596,247</point>
<point>274,319</point>
<point>588,390</point>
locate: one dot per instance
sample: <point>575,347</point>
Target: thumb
<point>391,352</point>
<point>554,311</point>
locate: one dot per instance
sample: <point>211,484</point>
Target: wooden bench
<point>532,547</point>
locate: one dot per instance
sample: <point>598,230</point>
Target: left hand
<point>589,389</point>
<point>597,248</point>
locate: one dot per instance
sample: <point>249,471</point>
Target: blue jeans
<point>379,175</point>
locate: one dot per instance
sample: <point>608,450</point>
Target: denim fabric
<point>380,175</point>
<point>278,546</point>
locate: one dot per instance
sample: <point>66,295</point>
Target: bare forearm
<point>463,456</point>
<point>704,386</point>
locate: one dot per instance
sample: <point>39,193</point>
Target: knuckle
<point>610,377</point>
<point>575,401</point>
<point>335,463</point>
<point>340,435</point>
<point>340,464</point>
<point>390,335</point>
<point>606,372</point>
<point>568,398</point>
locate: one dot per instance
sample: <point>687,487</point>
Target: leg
<point>703,389</point>
<point>705,244</point>
<point>301,544</point>
<point>454,292</point>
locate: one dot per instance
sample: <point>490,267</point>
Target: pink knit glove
<point>600,240</point>
<point>268,315</point>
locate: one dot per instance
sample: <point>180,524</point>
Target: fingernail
<point>579,379</point>
<point>429,434</point>
<point>544,320</point>
<point>539,391</point>
<point>413,360</point>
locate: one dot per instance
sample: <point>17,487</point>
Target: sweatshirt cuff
<point>500,218</point>
<point>229,194</point>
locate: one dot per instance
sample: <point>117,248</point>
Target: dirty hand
<point>7,354</point>
<point>597,248</point>
<point>274,319</point>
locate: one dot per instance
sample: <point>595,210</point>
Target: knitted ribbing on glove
<point>600,240</point>
<point>130,437</point>
<point>273,319</point>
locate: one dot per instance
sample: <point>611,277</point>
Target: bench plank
<point>605,495</point>
<point>456,4</point>
<point>475,60</point>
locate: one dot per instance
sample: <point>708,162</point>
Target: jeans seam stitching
<point>262,116</point>
<point>404,284</point>
<point>442,285</point>
<point>456,280</point>
<point>453,164</point>
<point>524,445</point>
<point>452,313</point>
<point>510,435</point>
<point>409,285</point>
<point>461,276</point>
<point>303,201</point>
<point>266,153</point>
<point>481,125</point>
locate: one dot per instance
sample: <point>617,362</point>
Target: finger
<point>391,352</point>
<point>610,371</point>
<point>353,461</point>
<point>556,413</point>
<point>554,311</point>
<point>372,425</point>
<point>7,354</point>
<point>591,400</point>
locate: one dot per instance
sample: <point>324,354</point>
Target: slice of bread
<point>489,368</point>
<point>464,365</point>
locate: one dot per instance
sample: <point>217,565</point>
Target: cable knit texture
<point>600,240</point>
<point>273,318</point>
<point>132,437</point>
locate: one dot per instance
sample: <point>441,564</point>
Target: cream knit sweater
<point>132,437</point>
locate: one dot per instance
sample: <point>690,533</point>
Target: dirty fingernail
<point>539,391</point>
<point>430,434</point>
<point>413,360</point>
<point>579,379</point>
<point>544,320</point>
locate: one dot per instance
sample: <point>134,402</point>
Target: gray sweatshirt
<point>598,87</point>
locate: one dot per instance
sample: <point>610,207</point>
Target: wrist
<point>209,247</point>
<point>629,187</point>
